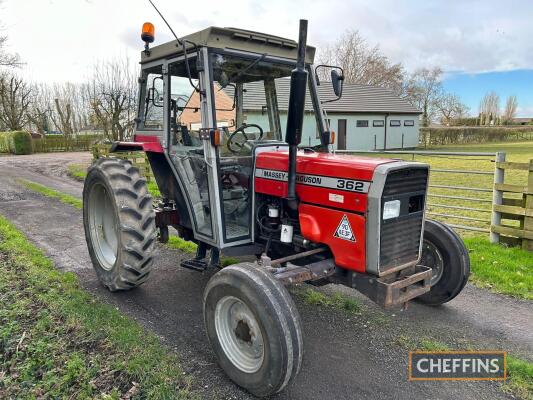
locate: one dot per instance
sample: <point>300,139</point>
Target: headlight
<point>391,209</point>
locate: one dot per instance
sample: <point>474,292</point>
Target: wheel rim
<point>432,258</point>
<point>239,334</point>
<point>102,226</point>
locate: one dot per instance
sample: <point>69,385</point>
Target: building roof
<point>224,104</point>
<point>355,98</point>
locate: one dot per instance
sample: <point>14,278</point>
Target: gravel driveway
<point>347,356</point>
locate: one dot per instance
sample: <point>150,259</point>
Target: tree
<point>424,90</point>
<point>510,109</point>
<point>450,108</point>
<point>489,109</point>
<point>111,96</point>
<point>41,109</point>
<point>7,59</point>
<point>15,98</point>
<point>362,63</point>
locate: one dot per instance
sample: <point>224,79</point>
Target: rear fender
<point>163,174</point>
<point>141,143</point>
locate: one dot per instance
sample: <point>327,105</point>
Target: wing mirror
<point>337,79</point>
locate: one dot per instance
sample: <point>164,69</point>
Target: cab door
<point>188,112</point>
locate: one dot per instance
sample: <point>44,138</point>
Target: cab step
<point>194,264</point>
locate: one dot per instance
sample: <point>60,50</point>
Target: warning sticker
<point>344,230</point>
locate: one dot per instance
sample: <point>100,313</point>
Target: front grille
<point>400,237</point>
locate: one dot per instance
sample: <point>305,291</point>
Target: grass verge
<point>520,381</point>
<point>77,171</point>
<point>519,372</point>
<point>336,300</point>
<point>501,269</point>
<point>57,341</point>
<point>177,243</point>
<point>48,192</point>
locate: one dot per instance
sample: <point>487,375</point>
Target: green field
<point>515,152</point>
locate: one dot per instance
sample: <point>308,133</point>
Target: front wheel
<point>446,254</point>
<point>254,328</point>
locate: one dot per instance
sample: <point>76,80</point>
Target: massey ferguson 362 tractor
<point>234,179</point>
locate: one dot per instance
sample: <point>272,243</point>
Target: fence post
<point>497,196</point>
<point>527,244</point>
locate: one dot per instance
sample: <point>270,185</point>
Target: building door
<point>341,144</point>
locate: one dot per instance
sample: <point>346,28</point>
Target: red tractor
<point>233,183</point>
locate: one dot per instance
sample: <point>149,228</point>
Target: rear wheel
<point>254,328</point>
<point>119,223</point>
<point>445,253</point>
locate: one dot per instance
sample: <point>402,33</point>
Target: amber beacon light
<point>148,35</point>
<point>148,32</point>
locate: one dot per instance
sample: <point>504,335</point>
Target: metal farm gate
<point>462,187</point>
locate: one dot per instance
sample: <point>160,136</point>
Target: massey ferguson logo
<point>277,175</point>
<point>344,230</point>
<point>346,185</point>
<point>315,180</point>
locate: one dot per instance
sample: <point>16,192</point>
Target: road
<point>347,356</point>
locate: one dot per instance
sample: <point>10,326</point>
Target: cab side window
<point>150,117</point>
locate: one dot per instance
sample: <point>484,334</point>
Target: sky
<point>481,45</point>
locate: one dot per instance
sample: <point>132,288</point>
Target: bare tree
<point>111,95</point>
<point>450,107</point>
<point>489,109</point>
<point>7,59</point>
<point>41,109</point>
<point>66,107</point>
<point>15,98</point>
<point>510,109</point>
<point>362,63</point>
<point>424,90</point>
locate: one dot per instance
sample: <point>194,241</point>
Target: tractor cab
<point>213,107</point>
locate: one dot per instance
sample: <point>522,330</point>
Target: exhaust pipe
<point>295,115</point>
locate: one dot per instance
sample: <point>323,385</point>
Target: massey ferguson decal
<point>344,230</point>
<point>329,182</point>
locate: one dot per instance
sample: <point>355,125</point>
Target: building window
<point>362,123</point>
<point>409,122</point>
<point>395,122</point>
<point>378,123</point>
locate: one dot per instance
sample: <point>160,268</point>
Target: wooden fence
<point>138,158</point>
<point>514,203</point>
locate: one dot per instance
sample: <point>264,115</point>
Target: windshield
<point>254,93</point>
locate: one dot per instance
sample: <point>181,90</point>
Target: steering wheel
<point>238,147</point>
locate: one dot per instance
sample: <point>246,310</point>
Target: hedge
<point>52,143</point>
<point>474,134</point>
<point>16,142</point>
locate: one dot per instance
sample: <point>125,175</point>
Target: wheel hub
<point>242,331</point>
<point>239,334</point>
<point>432,258</point>
<point>103,227</point>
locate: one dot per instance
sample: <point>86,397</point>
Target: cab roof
<point>234,39</point>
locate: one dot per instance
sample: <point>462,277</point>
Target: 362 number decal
<point>354,186</point>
